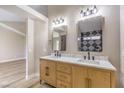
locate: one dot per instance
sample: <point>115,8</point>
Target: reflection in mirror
<point>90,34</point>
<point>59,38</point>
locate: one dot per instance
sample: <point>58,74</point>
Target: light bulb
<point>57,21</point>
<point>78,39</point>
<point>61,20</point>
<point>94,10</point>
<point>87,12</point>
<point>81,12</point>
<point>54,22</point>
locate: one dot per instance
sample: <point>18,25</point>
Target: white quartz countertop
<point>102,64</point>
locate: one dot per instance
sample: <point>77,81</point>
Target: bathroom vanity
<point>71,72</point>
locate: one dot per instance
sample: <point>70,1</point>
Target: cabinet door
<point>79,76</point>
<point>98,78</point>
<point>48,72</point>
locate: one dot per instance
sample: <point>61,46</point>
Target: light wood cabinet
<point>48,72</point>
<point>61,84</point>
<point>79,75</point>
<point>99,78</point>
<point>65,75</point>
<point>90,78</point>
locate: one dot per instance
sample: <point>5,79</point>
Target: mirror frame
<point>65,27</point>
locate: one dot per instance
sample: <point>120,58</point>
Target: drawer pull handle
<point>89,83</point>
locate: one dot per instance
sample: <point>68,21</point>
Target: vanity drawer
<point>61,84</point>
<point>64,67</point>
<point>64,77</point>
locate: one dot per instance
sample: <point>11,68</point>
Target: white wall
<point>21,26</point>
<point>8,16</point>
<point>122,44</point>
<point>111,34</point>
<point>12,45</point>
<point>40,42</point>
<point>37,45</point>
<point>30,48</point>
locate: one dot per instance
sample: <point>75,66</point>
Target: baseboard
<point>32,76</point>
<point>37,75</point>
<point>10,60</point>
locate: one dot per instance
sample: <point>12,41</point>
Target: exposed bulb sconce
<point>89,11</point>
<point>61,20</point>
<point>58,21</point>
<point>94,10</point>
<point>54,21</point>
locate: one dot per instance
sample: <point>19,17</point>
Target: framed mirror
<point>59,36</point>
<point>90,34</point>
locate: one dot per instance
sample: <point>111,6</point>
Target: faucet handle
<point>93,58</point>
<point>55,52</point>
<point>88,55</point>
<point>59,53</point>
<point>84,57</point>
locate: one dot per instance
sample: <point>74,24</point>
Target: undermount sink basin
<point>75,60</point>
<point>55,57</point>
<point>52,57</point>
<point>88,61</point>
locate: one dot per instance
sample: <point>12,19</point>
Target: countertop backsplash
<point>82,54</point>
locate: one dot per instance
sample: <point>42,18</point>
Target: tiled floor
<point>12,75</point>
<point>32,83</point>
<point>11,72</point>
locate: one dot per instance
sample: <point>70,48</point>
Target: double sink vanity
<point>74,72</point>
<point>77,72</point>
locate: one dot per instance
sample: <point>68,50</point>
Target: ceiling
<point>11,13</point>
<point>7,16</point>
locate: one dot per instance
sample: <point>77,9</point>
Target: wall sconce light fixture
<point>89,11</point>
<point>58,21</point>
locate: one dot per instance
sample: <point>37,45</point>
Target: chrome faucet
<point>57,53</point>
<point>88,55</point>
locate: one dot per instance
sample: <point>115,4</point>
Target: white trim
<point>28,77</point>
<point>33,12</point>
<point>12,29</point>
<point>10,60</point>
<point>25,11</point>
<point>37,74</point>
